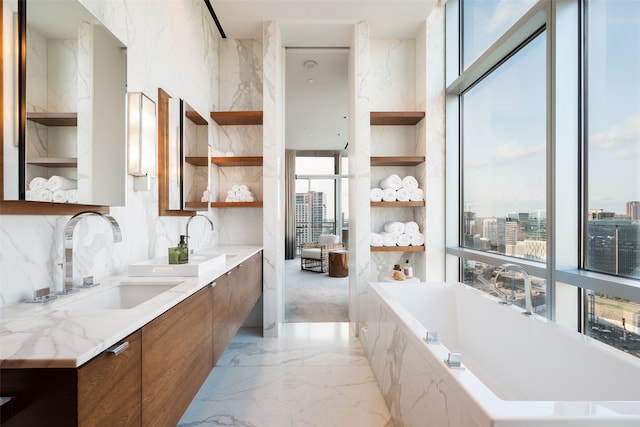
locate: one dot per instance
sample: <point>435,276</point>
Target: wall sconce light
<point>142,141</point>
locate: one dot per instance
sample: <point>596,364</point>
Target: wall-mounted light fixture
<point>141,140</point>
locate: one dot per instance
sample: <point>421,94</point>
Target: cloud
<point>513,151</point>
<point>627,132</point>
<point>506,13</point>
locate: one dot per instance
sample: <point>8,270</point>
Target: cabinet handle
<point>117,349</point>
<point>240,265</point>
<point>228,273</point>
<point>212,284</point>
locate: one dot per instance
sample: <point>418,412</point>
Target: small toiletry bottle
<point>184,250</point>
<point>174,255</point>
<point>396,267</point>
<point>407,270</point>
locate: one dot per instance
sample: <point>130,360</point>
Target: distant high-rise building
<point>595,214</point>
<point>613,246</point>
<point>310,214</point>
<point>633,210</point>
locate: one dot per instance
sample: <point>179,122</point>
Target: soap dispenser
<point>183,249</point>
<point>408,269</point>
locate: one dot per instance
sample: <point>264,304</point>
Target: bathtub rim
<point>621,413</point>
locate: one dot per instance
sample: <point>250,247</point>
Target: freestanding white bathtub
<point>517,370</point>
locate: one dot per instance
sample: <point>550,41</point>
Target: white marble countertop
<point>44,335</point>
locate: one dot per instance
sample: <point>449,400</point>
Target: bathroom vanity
<point>68,363</point>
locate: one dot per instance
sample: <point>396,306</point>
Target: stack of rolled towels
<point>397,233</point>
<point>206,196</point>
<point>56,189</point>
<point>393,188</point>
<point>240,193</point>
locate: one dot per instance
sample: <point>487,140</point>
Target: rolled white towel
<point>404,240</point>
<point>247,198</point>
<point>232,199</point>
<point>409,182</point>
<point>376,239</point>
<point>30,195</point>
<point>38,183</point>
<point>235,188</point>
<point>44,196</point>
<point>395,227</point>
<point>389,195</point>
<point>60,196</point>
<point>417,195</point>
<point>417,239</point>
<point>375,195</point>
<point>411,228</point>
<point>392,181</point>
<point>389,239</point>
<point>72,196</point>
<point>61,183</point>
<point>243,187</point>
<point>403,195</point>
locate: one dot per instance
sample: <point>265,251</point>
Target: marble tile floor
<point>313,375</point>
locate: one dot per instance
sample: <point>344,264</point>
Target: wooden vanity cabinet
<point>176,359</point>
<point>109,386</point>
<point>103,392</point>
<point>152,381</point>
<point>234,296</point>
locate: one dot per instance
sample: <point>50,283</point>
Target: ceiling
<point>316,95</point>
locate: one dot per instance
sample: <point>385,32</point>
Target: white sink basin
<point>124,296</point>
<point>160,266</point>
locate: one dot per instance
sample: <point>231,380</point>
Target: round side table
<point>338,263</point>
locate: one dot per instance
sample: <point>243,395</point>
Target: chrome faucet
<point>67,261</point>
<point>527,284</point>
<point>196,216</point>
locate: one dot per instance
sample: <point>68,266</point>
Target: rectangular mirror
<point>64,83</point>
<point>186,161</point>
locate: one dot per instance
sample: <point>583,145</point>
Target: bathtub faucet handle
<point>432,337</point>
<point>454,360</point>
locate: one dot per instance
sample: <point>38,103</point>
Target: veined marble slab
<point>42,335</point>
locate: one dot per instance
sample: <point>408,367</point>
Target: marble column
<point>273,179</point>
<point>359,175</point>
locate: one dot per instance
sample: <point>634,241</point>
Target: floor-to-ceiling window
<point>546,130</point>
<point>612,178</point>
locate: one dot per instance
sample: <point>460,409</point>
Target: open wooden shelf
<point>196,118</point>
<point>225,161</point>
<point>409,204</point>
<point>237,161</point>
<point>397,160</point>
<point>54,119</point>
<point>54,162</point>
<point>389,118</point>
<point>237,117</point>
<point>397,248</point>
<point>203,205</point>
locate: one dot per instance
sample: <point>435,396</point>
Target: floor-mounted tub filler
<point>446,354</point>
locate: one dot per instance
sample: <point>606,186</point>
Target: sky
<point>505,138</point>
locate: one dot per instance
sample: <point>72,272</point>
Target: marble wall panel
<point>159,36</point>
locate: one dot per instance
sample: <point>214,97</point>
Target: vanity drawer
<point>109,386</point>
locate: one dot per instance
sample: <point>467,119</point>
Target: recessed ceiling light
<point>311,81</point>
<point>309,63</point>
